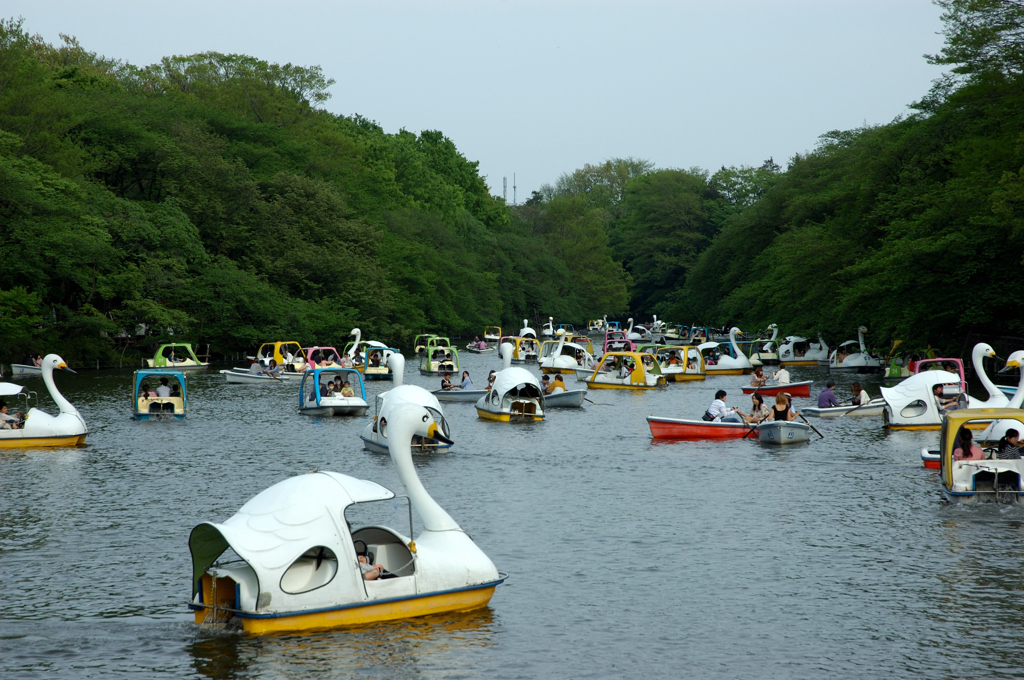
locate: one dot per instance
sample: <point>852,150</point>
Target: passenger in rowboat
<point>782,375</point>
<point>545,384</point>
<point>758,378</point>
<point>781,411</point>
<point>860,395</point>
<point>827,398</point>
<point>1009,447</point>
<point>446,382</point>
<point>467,384</point>
<point>758,410</point>
<point>965,442</point>
<point>272,370</point>
<point>720,413</point>
<point>557,385</point>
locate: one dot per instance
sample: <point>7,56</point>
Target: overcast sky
<point>540,88</point>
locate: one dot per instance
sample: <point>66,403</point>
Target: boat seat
<point>393,557</point>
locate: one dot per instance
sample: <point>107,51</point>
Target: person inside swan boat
<point>8,421</point>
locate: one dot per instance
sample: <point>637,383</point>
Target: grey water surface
<point>627,557</point>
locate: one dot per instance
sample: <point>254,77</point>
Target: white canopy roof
<point>510,378</point>
<point>10,389</point>
<point>918,384</point>
<point>281,522</point>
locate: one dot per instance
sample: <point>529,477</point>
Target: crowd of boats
<point>292,559</point>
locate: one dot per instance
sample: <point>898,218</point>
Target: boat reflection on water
<point>443,643</point>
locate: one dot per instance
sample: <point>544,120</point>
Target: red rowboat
<point>931,459</point>
<point>680,428</point>
<point>797,389</point>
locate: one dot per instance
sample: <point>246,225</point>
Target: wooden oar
<point>754,426</point>
<point>810,426</point>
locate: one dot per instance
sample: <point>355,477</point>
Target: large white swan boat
<point>67,428</point>
<point>289,560</point>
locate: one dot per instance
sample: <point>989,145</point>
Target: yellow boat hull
<point>507,417</point>
<point>811,362</point>
<point>39,442</point>
<point>731,371</point>
<point>613,386</point>
<point>981,425</point>
<point>684,377</point>
<point>557,371</point>
<point>370,612</point>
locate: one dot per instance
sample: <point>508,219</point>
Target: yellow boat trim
<point>613,386</point>
<point>38,442</point>
<point>970,426</point>
<point>684,377</point>
<point>557,371</point>
<point>799,363</point>
<point>461,601</point>
<point>506,417</point>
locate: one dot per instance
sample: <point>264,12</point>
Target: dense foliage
<point>208,196</point>
<point>915,229</point>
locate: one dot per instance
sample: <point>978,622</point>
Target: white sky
<point>540,88</point>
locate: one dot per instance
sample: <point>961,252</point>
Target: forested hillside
<point>211,196</point>
<point>914,229</point>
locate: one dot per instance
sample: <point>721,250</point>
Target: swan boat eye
<point>425,418</point>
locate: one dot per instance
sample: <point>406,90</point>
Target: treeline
<point>914,229</point>
<point>210,196</point>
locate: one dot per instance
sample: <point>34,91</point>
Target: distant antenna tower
<point>514,189</point>
<point>504,188</point>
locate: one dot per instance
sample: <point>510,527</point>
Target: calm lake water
<point>627,557</point>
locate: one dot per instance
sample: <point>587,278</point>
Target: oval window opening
<point>313,569</point>
<point>914,409</point>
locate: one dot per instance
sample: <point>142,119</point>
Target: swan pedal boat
<point>765,351</point>
<point>515,395</point>
<point>295,563</point>
<point>40,428</point>
<point>793,389</point>
<point>144,408</point>
<point>312,403</point>
<point>25,370</point>
<point>873,408</point>
<point>798,351</point>
<point>683,428</point>
<point>911,406</point>
<point>860,361</point>
<point>190,362</point>
<point>375,435</point>
<point>732,363</point>
<point>783,432</point>
<point>559,356</point>
<point>369,357</point>
<point>970,481</point>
